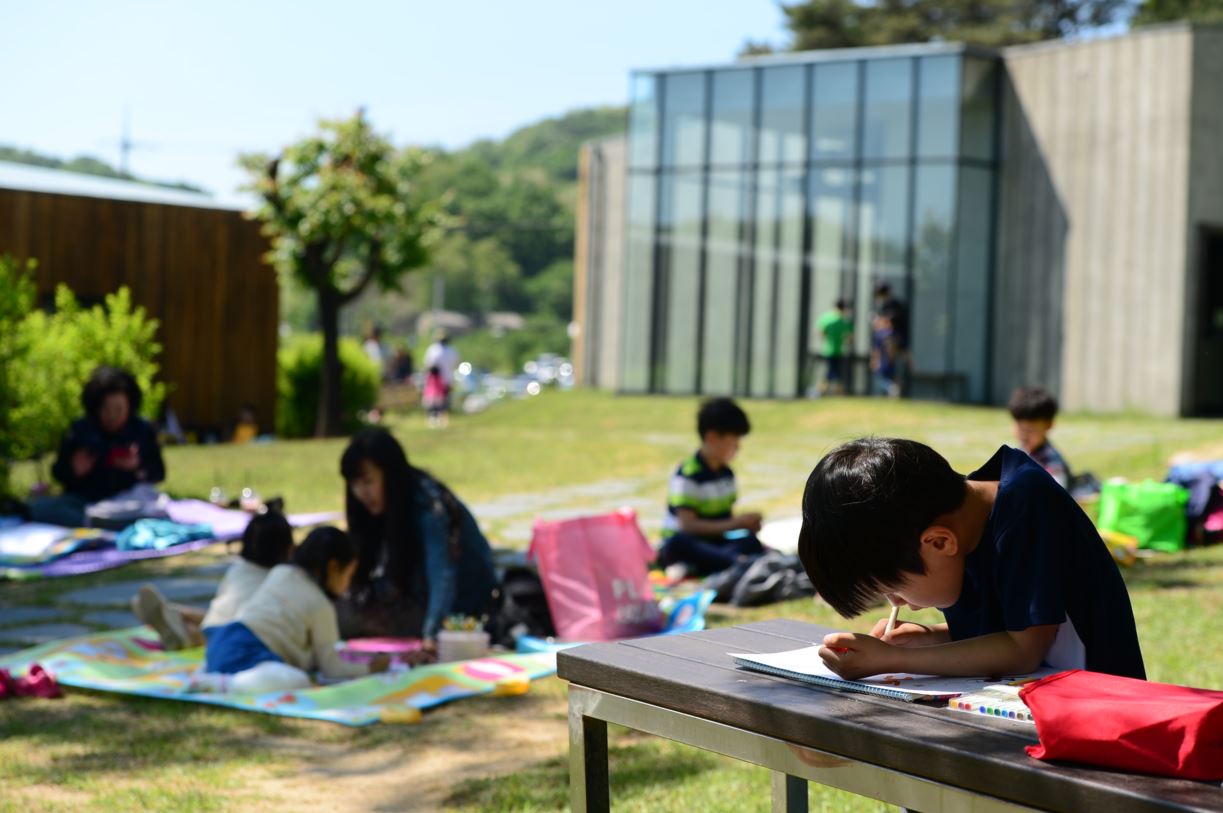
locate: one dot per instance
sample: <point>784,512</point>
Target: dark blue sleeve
<point>440,567</point>
<point>1030,566</point>
<point>152,467</point>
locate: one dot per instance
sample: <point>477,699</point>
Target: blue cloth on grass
<point>159,534</point>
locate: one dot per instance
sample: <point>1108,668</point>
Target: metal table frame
<point>792,766</point>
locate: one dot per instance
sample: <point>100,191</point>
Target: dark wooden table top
<point>692,673</point>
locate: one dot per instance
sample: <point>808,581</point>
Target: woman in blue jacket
<point>421,555</point>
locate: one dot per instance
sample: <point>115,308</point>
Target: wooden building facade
<point>195,266</point>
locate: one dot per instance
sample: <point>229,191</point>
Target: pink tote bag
<point>595,576</point>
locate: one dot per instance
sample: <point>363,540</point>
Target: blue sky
<point>205,80</point>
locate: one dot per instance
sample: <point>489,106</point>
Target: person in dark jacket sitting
<point>105,453</point>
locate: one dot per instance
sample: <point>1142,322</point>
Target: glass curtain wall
<point>760,196</point>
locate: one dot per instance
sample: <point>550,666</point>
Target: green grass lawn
<point>94,752</point>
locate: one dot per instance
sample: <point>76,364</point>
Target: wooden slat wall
<point>200,272</point>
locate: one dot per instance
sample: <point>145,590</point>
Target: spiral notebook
<point>805,665</point>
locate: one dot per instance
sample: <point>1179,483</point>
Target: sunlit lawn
<point>94,752</point>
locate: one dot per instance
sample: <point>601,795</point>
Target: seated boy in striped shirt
<point>701,500</point>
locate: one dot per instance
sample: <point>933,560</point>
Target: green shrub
<point>299,382</point>
<point>46,358</point>
<point>16,300</point>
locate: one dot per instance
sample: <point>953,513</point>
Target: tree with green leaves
<point>1167,11</point>
<point>344,210</point>
<point>817,24</point>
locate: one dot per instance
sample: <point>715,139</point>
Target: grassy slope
<point>101,753</point>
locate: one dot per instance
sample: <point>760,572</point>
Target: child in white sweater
<point>290,621</point>
<point>266,542</point>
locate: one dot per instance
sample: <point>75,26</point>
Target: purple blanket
<point>226,525</point>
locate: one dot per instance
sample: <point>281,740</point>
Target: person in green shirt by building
<point>835,327</point>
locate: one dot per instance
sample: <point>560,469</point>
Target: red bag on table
<point>1127,724</point>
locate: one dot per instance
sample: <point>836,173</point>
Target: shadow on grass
<point>633,769</point>
<point>86,734</point>
<point>1191,570</point>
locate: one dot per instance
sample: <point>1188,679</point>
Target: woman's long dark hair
<point>399,527</point>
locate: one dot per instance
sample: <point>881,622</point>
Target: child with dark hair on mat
<point>289,624</point>
<point>266,542</point>
<point>1016,567</point>
<point>701,499</point>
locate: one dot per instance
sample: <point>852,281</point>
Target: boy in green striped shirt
<point>701,532</point>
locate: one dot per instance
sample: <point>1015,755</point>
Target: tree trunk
<point>328,423</point>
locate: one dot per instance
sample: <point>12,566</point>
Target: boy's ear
<point>939,540</point>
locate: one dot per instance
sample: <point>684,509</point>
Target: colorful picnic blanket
<point>132,662</point>
<point>226,524</point>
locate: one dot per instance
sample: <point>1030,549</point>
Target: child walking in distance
<point>266,542</point>
<point>435,397</point>
<point>1017,568</point>
<point>701,499</point>
<point>289,622</point>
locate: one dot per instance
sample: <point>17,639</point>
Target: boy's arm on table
<point>854,656</point>
<point>690,523</point>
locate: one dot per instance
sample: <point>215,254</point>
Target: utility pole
<point>125,143</point>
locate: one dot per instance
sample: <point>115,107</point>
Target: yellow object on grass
<point>1123,547</point>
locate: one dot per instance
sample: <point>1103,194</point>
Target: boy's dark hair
<point>323,545</point>
<point>1032,404</point>
<point>722,415</point>
<point>842,305</point>
<point>864,510</point>
<point>267,540</point>
<point>105,381</point>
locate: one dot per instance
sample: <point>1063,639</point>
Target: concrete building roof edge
<point>1146,30</point>
<point>831,55</point>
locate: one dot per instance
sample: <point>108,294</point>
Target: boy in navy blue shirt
<point>1017,568</point>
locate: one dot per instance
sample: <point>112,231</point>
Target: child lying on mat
<point>288,628</point>
<point>266,542</point>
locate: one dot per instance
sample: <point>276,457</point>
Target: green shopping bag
<point>1151,512</point>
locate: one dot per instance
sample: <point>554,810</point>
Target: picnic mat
<point>35,543</point>
<point>226,525</point>
<point>132,662</point>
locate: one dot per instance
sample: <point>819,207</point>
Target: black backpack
<point>519,605</point>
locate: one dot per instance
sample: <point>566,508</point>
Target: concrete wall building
<point>1050,214</point>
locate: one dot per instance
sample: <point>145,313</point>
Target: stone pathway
<point>102,607</point>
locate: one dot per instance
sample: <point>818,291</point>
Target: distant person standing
<point>435,397</point>
<point>376,352</point>
<point>897,314</point>
<point>835,327</point>
<point>884,352</point>
<point>442,356</point>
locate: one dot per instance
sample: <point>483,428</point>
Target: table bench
<point>686,688</point>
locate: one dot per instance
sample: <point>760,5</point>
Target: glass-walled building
<point>761,193</point>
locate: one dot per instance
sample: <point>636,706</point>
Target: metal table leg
<point>789,793</point>
<point>588,791</point>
